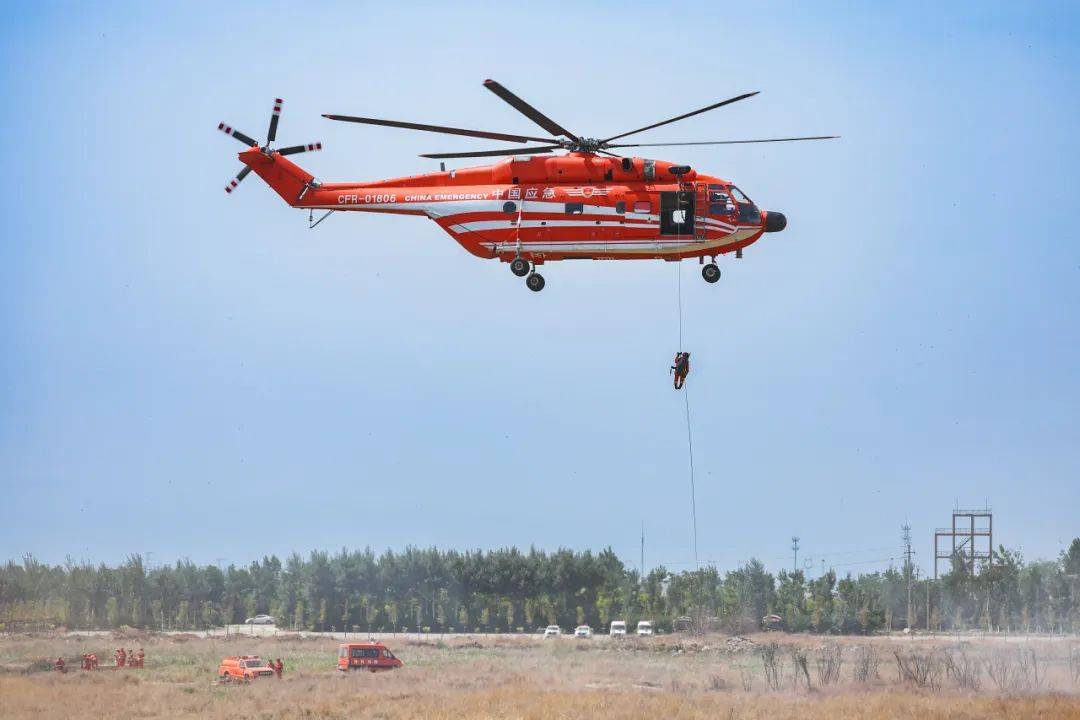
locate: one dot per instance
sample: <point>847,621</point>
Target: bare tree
<point>1002,671</point>
<point>1028,666</point>
<point>865,664</point>
<point>800,668</point>
<point>770,663</point>
<point>828,661</point>
<point>963,670</point>
<point>919,669</point>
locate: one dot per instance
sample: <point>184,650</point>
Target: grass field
<point>667,678</point>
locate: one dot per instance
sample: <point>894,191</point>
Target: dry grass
<point>466,678</point>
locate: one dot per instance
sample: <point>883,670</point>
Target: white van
<point>644,627</point>
<point>617,629</point>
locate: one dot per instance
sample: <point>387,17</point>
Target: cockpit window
<point>719,201</point>
<point>748,212</point>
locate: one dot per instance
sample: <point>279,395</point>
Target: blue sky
<point>199,375</point>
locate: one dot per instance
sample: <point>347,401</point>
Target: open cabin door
<point>677,212</point>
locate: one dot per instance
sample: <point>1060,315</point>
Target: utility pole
<point>643,550</point>
<point>906,536</point>
<point>928,600</point>
<point>795,549</point>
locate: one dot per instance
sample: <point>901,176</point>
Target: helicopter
<point>535,206</point>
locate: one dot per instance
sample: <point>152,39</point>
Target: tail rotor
<point>271,135</point>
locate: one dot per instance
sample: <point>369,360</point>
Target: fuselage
<point>574,206</point>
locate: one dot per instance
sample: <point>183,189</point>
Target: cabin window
<point>342,652</point>
<point>620,207</point>
<point>365,653</point>
<point>642,206</point>
<point>388,655</point>
<point>509,207</point>
<point>627,164</point>
<point>575,208</point>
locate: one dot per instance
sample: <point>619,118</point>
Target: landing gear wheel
<point>519,266</point>
<point>711,273</point>
<point>535,282</point>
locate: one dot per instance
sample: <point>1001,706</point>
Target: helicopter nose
<point>775,221</point>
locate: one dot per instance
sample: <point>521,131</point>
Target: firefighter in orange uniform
<point>279,667</point>
<point>121,657</point>
<point>681,368</point>
<point>140,658</point>
<point>59,665</point>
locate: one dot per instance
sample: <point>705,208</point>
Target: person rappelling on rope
<point>681,368</point>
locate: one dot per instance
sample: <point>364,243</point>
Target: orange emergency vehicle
<point>244,667</point>
<point>373,656</point>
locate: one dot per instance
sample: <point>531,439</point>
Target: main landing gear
<point>521,267</point>
<point>711,272</point>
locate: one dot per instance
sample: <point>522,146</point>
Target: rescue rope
<point>693,491</point>
<point>689,433</point>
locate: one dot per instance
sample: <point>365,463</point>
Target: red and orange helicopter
<point>588,203</point>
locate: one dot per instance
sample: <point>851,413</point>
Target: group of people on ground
<point>124,658</point>
<point>130,658</point>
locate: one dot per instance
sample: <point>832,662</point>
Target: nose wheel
<point>711,273</point>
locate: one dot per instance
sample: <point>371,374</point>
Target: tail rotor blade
<point>236,180</point>
<point>270,136</point>
<point>300,148</point>
<point>237,134</point>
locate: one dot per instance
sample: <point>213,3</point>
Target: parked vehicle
<point>644,628</point>
<point>372,656</point>
<point>617,628</point>
<point>244,667</point>
<point>552,631</point>
<point>772,622</point>
<point>583,631</point>
<point>260,620</point>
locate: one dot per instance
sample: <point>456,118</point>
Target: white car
<point>260,620</point>
<point>644,628</point>
<point>552,631</point>
<point>583,631</point>
<point>617,629</point>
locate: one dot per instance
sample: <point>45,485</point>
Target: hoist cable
<point>689,434</point>
<point>693,490</point>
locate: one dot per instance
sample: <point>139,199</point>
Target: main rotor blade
<point>237,134</point>
<point>495,153</point>
<point>529,111</point>
<point>299,149</point>
<point>270,136</point>
<point>725,142</point>
<point>437,129</point>
<point>236,180</point>
<point>682,117</point>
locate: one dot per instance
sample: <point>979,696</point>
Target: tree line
<point>508,590</point>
